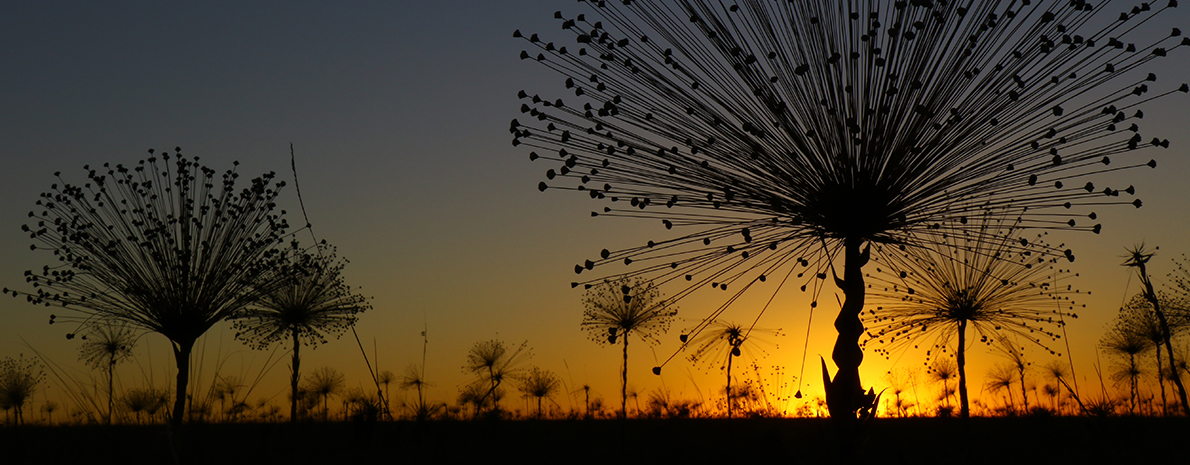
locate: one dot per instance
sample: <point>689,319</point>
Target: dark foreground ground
<point>891,441</point>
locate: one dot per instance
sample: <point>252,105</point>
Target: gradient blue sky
<point>399,113</point>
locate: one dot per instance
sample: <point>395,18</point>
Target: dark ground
<point>891,441</point>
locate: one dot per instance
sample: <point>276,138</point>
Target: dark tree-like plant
<point>540,384</point>
<point>19,378</point>
<point>615,310</point>
<point>1138,258</point>
<point>325,382</point>
<point>983,284</point>
<point>779,135</point>
<point>722,342</point>
<point>310,303</point>
<point>1124,343</point>
<point>103,348</point>
<point>493,363</point>
<point>166,246</point>
<point>1138,317</point>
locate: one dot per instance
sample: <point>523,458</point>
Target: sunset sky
<point>398,112</point>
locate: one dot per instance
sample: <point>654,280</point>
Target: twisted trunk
<point>729,401</point>
<point>964,406</point>
<point>845,398</point>
<point>182,358</point>
<point>624,381</point>
<point>293,380</point>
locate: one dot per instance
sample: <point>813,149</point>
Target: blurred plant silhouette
<point>721,342</point>
<point>310,303</point>
<point>103,347</point>
<point>987,282</point>
<point>999,378</point>
<point>493,363</point>
<point>616,309</point>
<point>166,246</point>
<point>1137,316</point>
<point>942,370</point>
<point>1124,342</point>
<point>19,378</point>
<point>325,382</point>
<point>1138,259</point>
<point>540,384</point>
<point>1015,354</point>
<point>782,136</point>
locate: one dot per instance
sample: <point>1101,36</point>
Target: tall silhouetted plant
<point>942,370</point>
<point>986,282</point>
<point>539,384</point>
<point>614,310</point>
<point>19,378</point>
<point>166,245</point>
<point>415,379</point>
<point>1137,316</point>
<point>310,303</point>
<point>1138,258</point>
<point>1125,343</point>
<point>721,342</point>
<point>103,348</point>
<point>1015,354</point>
<point>999,378</point>
<point>493,363</point>
<point>325,382</point>
<point>783,134</point>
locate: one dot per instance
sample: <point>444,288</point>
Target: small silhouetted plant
<point>942,370</point>
<point>311,303</point>
<point>48,408</point>
<point>104,347</point>
<point>1056,371</point>
<point>983,284</point>
<point>1138,316</point>
<point>1124,343</point>
<point>145,401</point>
<point>493,363</point>
<point>614,310</point>
<point>1138,259</point>
<point>1015,354</point>
<point>539,384</point>
<point>415,379</point>
<point>476,396</point>
<point>719,343</point>
<point>325,382</point>
<point>999,378</point>
<point>786,135</point>
<point>19,378</point>
<point>165,245</point>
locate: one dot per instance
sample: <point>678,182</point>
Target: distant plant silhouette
<point>986,282</point>
<point>1125,343</point>
<point>385,379</point>
<point>721,342</point>
<point>999,378</point>
<point>19,378</point>
<point>415,379</point>
<point>325,382</point>
<point>1015,354</point>
<point>103,348</point>
<point>616,309</point>
<point>493,363</point>
<point>1138,259</point>
<point>785,135</point>
<point>1057,371</point>
<point>539,384</point>
<point>145,401</point>
<point>1137,316</point>
<point>166,246</point>
<point>48,408</point>
<point>942,370</point>
<point>310,303</point>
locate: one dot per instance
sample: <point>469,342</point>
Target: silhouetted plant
<point>720,342</point>
<point>310,303</point>
<point>19,378</point>
<point>103,348</point>
<point>415,379</point>
<point>385,379</point>
<point>494,363</point>
<point>1138,258</point>
<point>616,309</point>
<point>476,395</point>
<point>999,378</point>
<point>325,382</point>
<point>48,408</point>
<point>1123,341</point>
<point>1057,371</point>
<point>942,370</point>
<point>166,246</point>
<point>145,401</point>
<point>1138,317</point>
<point>790,134</point>
<point>539,384</point>
<point>986,281</point>
<point>1015,355</point>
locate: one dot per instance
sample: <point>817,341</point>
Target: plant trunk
<point>182,358</point>
<point>964,406</point>
<point>845,398</point>
<point>729,402</point>
<point>1161,382</point>
<point>624,381</point>
<point>293,379</point>
<point>111,403</point>
<point>1165,336</point>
